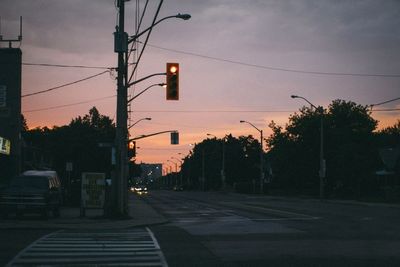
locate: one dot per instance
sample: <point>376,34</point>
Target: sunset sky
<point>239,60</point>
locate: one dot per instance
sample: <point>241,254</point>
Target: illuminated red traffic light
<point>172,81</point>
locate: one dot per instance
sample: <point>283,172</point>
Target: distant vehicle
<point>178,188</point>
<point>141,190</point>
<point>32,192</point>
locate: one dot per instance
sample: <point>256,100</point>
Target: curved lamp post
<point>261,156</point>
<point>143,119</point>
<point>156,84</point>
<point>121,40</point>
<point>176,170</point>
<point>180,171</point>
<point>322,163</point>
<point>179,16</point>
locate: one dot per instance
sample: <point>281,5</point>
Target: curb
<point>141,213</point>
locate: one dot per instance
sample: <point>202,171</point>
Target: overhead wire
<point>385,102</point>
<point>135,47</point>
<point>240,111</point>
<point>146,41</point>
<point>275,68</point>
<point>66,66</point>
<point>66,84</point>
<point>69,105</point>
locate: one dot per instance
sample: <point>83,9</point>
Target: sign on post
<point>93,190</point>
<point>5,146</point>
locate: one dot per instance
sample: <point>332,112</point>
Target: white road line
<point>122,248</point>
<point>286,214</point>
<point>163,261</point>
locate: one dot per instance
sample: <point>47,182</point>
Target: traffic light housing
<point>131,149</point>
<point>172,81</point>
<point>174,138</point>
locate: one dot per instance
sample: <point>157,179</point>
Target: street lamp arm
<point>252,125</point>
<point>145,78</point>
<point>135,37</point>
<point>149,135</point>
<point>159,84</point>
<point>138,122</point>
<point>311,104</point>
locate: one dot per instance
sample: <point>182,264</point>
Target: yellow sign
<point>93,190</point>
<point>5,146</point>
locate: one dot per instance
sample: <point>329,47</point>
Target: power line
<point>216,111</point>
<point>385,102</point>
<point>67,66</point>
<point>386,109</point>
<point>69,105</point>
<point>276,68</point>
<point>66,84</point>
<point>239,111</point>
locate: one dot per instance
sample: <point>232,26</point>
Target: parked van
<point>33,191</point>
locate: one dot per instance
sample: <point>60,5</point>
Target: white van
<point>33,191</point>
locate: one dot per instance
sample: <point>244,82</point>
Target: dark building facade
<point>10,111</point>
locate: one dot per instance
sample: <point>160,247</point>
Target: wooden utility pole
<point>119,184</point>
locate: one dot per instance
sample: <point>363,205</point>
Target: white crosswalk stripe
<point>133,247</point>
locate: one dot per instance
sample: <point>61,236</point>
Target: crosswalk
<point>133,247</point>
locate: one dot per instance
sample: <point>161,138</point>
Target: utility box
<point>120,42</point>
<point>10,111</point>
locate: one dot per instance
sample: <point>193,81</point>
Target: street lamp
<point>121,40</point>
<point>223,162</point>
<point>176,170</point>
<point>143,119</point>
<point>156,84</point>
<point>176,164</point>
<point>261,156</point>
<point>180,161</point>
<point>179,16</point>
<point>322,163</point>
<point>180,172</point>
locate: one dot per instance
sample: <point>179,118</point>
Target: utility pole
<point>261,163</point>
<point>120,195</point>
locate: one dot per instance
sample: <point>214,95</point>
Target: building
<point>10,112</point>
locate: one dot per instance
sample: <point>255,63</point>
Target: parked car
<point>32,192</point>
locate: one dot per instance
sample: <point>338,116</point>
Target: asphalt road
<point>213,229</point>
<point>216,229</point>
<point>12,241</point>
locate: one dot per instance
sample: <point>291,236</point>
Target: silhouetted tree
<point>77,142</point>
<point>241,163</point>
<point>348,143</point>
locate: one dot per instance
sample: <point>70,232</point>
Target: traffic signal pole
<point>119,205</point>
<point>119,184</point>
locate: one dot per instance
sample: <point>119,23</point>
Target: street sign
<point>5,146</point>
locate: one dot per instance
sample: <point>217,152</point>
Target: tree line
<point>354,150</point>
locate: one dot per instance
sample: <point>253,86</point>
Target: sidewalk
<point>141,213</point>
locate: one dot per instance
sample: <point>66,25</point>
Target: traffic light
<point>131,149</point>
<point>174,138</point>
<point>172,81</point>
